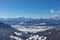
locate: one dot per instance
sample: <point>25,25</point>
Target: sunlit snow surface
<point>33,29</point>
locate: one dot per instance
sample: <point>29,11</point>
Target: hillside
<point>6,31</point>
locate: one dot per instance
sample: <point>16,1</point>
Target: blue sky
<point>29,8</point>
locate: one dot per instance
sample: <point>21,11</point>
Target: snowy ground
<point>32,28</point>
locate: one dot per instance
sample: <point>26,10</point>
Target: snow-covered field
<point>33,29</point>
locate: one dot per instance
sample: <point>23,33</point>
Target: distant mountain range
<point>30,21</point>
<point>6,30</point>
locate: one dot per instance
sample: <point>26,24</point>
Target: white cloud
<point>52,11</point>
<point>58,11</point>
<point>56,15</point>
